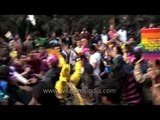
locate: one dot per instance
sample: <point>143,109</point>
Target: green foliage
<point>47,24</point>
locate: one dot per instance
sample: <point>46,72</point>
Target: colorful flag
<point>150,41</point>
<point>9,35</point>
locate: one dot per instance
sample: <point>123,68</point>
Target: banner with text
<point>150,40</point>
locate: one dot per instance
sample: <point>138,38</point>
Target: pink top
<point>112,33</point>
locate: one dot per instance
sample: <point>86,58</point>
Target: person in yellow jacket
<point>61,85</point>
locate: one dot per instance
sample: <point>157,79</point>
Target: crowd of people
<point>110,62</point>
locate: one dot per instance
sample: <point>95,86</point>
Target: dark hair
<point>119,50</point>
<point>157,62</point>
<point>137,55</point>
<point>77,39</point>
<point>128,48</point>
<point>108,85</point>
<point>65,43</point>
<point>88,68</point>
<point>4,72</point>
<point>92,47</point>
<point>73,46</point>
<point>56,45</point>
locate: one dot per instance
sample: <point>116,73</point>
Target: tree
<point>46,24</point>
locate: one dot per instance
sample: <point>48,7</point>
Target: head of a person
<point>111,27</point>
<point>16,37</point>
<point>94,30</point>
<point>52,61</point>
<point>66,45</point>
<point>16,60</point>
<point>131,40</point>
<point>31,55</point>
<point>107,52</point>
<point>4,72</point>
<point>93,49</point>
<point>76,32</point>
<point>84,29</point>
<point>116,51</point>
<point>103,31</point>
<point>84,42</point>
<point>123,27</point>
<point>129,57</point>
<point>116,36</point>
<point>57,47</point>
<point>151,63</point>
<point>102,47</point>
<point>88,68</point>
<point>65,34</point>
<point>78,42</point>
<point>23,60</point>
<point>53,35</point>
<point>99,42</point>
<point>110,92</point>
<point>28,37</point>
<point>126,47</point>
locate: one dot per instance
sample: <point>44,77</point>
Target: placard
<point>150,40</point>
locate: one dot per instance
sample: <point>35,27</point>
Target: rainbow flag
<point>150,41</point>
<point>9,35</point>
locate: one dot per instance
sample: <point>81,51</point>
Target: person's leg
<point>33,101</point>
